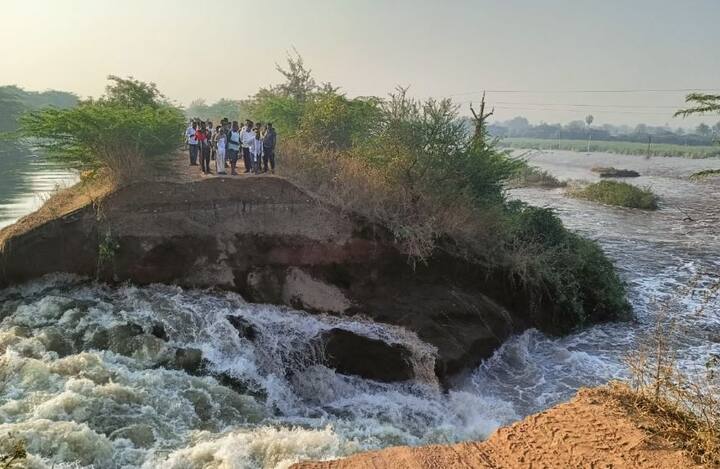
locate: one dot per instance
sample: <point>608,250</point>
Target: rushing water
<point>83,385</point>
<point>26,180</point>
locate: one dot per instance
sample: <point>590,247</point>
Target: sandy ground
<point>593,430</point>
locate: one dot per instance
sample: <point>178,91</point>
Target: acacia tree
<point>701,103</point>
<point>122,131</point>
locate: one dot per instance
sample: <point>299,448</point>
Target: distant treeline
<point>233,109</point>
<point>519,127</point>
<point>15,101</point>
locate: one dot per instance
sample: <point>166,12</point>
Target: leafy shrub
<point>419,172</point>
<point>621,194</point>
<point>568,276</point>
<point>123,131</point>
<point>415,168</point>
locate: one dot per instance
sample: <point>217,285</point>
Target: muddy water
<point>669,258</point>
<point>82,394</point>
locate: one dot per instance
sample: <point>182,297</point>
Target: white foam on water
<point>63,394</point>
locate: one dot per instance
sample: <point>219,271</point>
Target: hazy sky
<point>226,48</point>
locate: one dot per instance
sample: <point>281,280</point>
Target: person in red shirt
<point>203,140</point>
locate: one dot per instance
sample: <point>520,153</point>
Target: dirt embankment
<point>594,430</point>
<point>273,243</point>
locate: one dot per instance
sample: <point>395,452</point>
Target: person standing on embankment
<point>233,147</point>
<point>220,156</point>
<point>191,138</point>
<point>247,137</point>
<point>269,140</point>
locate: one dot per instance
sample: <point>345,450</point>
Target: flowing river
<point>26,180</point>
<point>83,383</point>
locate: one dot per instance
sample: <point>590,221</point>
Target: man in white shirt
<point>247,137</point>
<point>192,143</point>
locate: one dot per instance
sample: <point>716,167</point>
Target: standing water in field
<point>112,376</point>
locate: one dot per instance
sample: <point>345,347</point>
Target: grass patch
<point>705,174</point>
<point>611,172</point>
<point>616,193</point>
<point>623,148</point>
<point>531,176</point>
<point>676,423</point>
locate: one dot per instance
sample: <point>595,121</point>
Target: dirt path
<point>591,431</point>
<point>180,170</point>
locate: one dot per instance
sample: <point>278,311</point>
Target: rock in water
<point>189,359</point>
<point>244,329</point>
<point>352,354</point>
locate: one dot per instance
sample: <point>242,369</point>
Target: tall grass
<point>684,405</point>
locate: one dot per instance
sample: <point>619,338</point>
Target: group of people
<point>227,142</point>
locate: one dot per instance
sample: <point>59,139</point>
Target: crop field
<point>625,148</point>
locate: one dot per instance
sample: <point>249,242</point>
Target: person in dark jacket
<point>269,141</point>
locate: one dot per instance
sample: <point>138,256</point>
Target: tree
<point>10,109</point>
<point>122,131</point>
<point>703,129</point>
<point>701,103</point>
<point>480,121</point>
<point>197,108</point>
<point>517,126</point>
<point>131,93</point>
<point>588,121</point>
<point>299,83</point>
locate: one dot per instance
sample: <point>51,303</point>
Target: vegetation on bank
<point>416,168</point>
<point>624,148</point>
<point>617,193</point>
<point>124,132</point>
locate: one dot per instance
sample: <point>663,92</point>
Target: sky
<point>548,60</point>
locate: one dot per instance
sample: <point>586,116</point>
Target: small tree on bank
<point>124,131</point>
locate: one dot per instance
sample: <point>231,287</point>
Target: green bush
<point>569,279</point>
<point>125,130</point>
<point>415,168</point>
<point>621,194</point>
